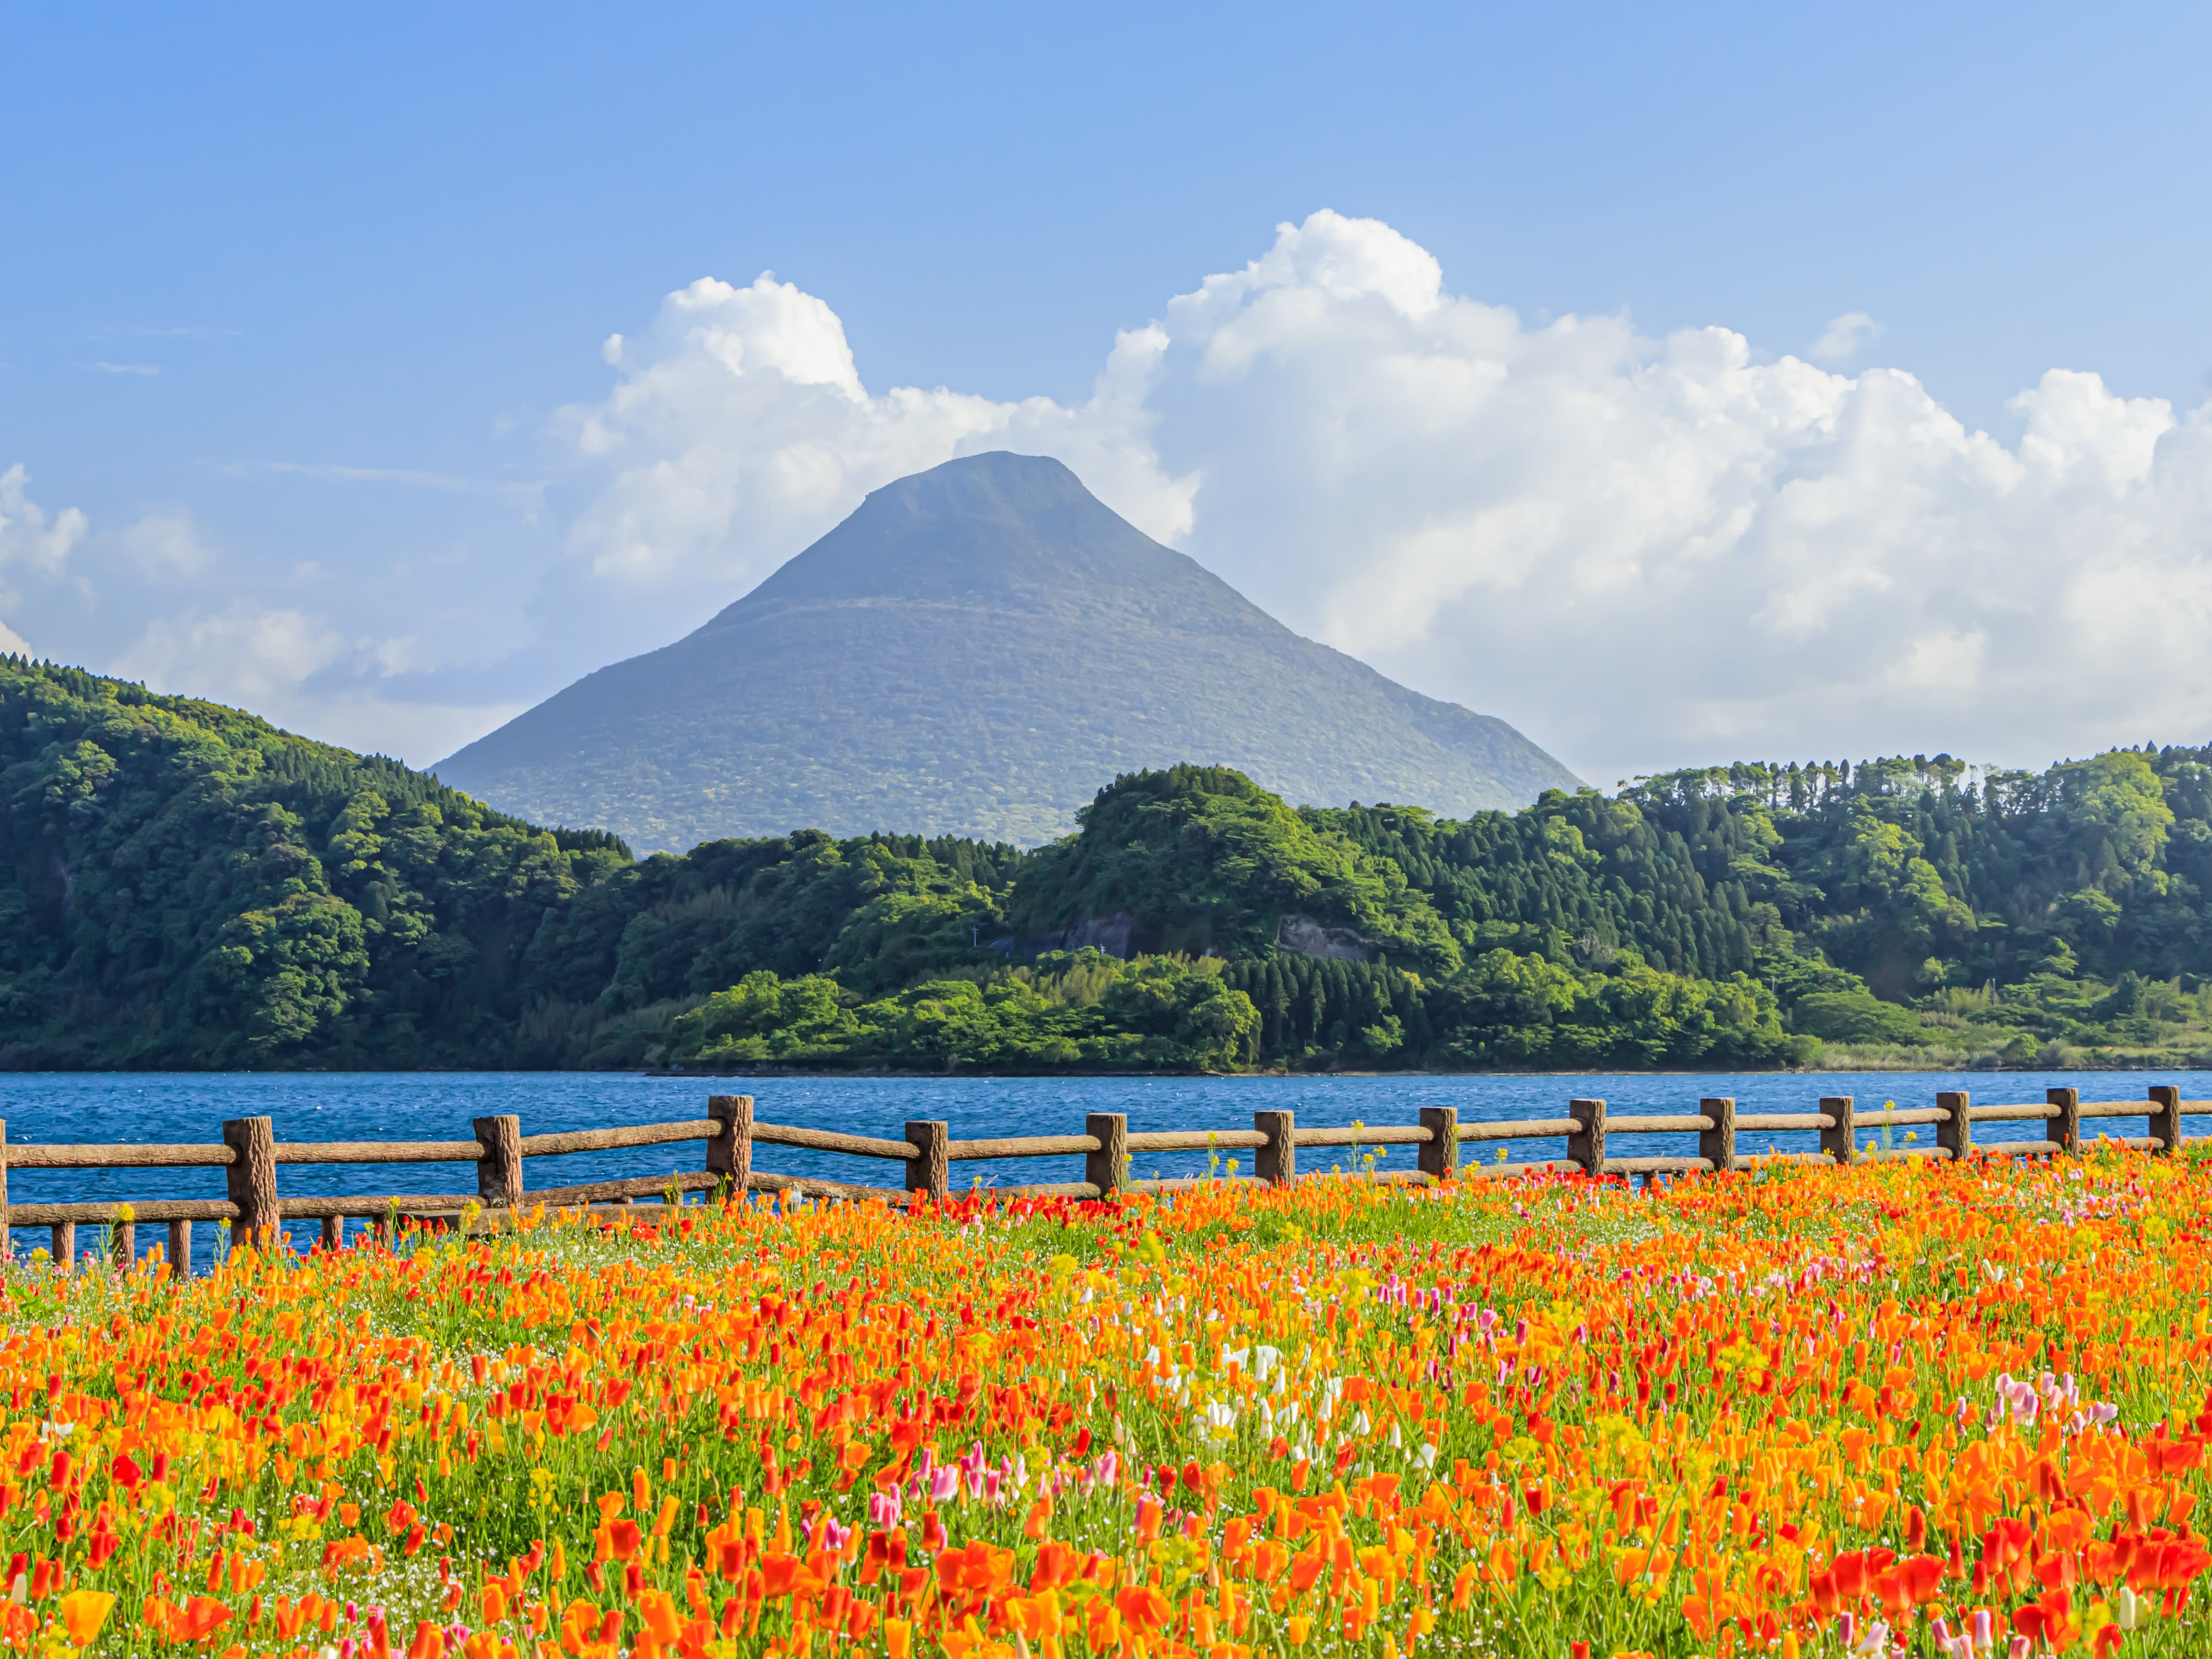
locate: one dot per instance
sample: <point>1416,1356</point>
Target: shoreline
<point>1843,1065</point>
<point>1279,1074</point>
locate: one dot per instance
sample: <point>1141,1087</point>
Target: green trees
<point>189,886</point>
<point>183,886</point>
<point>1208,861</point>
<point>1086,1010</point>
<point>1526,1011</point>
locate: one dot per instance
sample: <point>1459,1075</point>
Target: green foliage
<point>1317,1012</point>
<point>1582,874</point>
<point>182,884</point>
<point>1525,1011</point>
<point>187,885</point>
<point>1206,860</point>
<point>1087,1011</point>
<point>1856,1015</point>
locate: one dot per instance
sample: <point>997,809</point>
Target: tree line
<point>183,886</point>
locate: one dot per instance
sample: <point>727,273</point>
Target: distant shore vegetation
<point>182,885</point>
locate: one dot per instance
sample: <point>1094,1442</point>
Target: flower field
<point>1900,1408</point>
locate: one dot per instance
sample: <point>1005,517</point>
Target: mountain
<point>972,652</point>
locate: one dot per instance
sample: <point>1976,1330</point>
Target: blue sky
<point>296,298</point>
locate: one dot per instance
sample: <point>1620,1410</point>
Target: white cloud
<point>1846,336</point>
<point>165,542</point>
<point>298,672</point>
<point>363,689</point>
<point>740,430</point>
<point>122,368</point>
<point>32,541</point>
<point>246,654</point>
<point>1646,552</point>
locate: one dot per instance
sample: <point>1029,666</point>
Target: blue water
<point>59,1106</point>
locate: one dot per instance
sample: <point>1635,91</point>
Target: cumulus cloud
<point>165,542</point>
<point>299,672</point>
<point>246,654</point>
<point>1644,551</point>
<point>740,430</point>
<point>1846,336</point>
<point>34,543</point>
<point>109,597</point>
<point>1660,551</point>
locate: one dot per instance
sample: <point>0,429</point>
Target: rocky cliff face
<point>1117,935</point>
<point>1302,936</point>
<point>1122,935</point>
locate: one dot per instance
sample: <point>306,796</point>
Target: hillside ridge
<point>185,886</point>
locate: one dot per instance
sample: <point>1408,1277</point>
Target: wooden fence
<point>249,1154</point>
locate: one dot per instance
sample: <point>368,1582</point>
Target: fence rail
<point>249,1154</point>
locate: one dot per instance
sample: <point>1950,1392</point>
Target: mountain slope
<point>183,885</point>
<point>973,652</point>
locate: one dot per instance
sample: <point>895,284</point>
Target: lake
<point>145,1107</point>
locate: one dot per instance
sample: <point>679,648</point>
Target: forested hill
<point>182,884</point>
<point>1911,873</point>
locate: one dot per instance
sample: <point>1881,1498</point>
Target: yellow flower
<point>84,1612</point>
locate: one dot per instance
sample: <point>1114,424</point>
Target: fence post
<point>180,1249</point>
<point>1586,1145</point>
<point>730,1154</point>
<point>252,1176</point>
<point>1439,1155</point>
<point>1957,1136</point>
<point>932,1171</point>
<point>64,1250</point>
<point>5,1249</point>
<point>2165,1125</point>
<point>333,1233</point>
<point>1840,1139</point>
<point>1716,1145</point>
<point>499,1171</point>
<point>123,1251</point>
<point>1277,1162</point>
<point>2066,1128</point>
<point>1107,1168</point>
